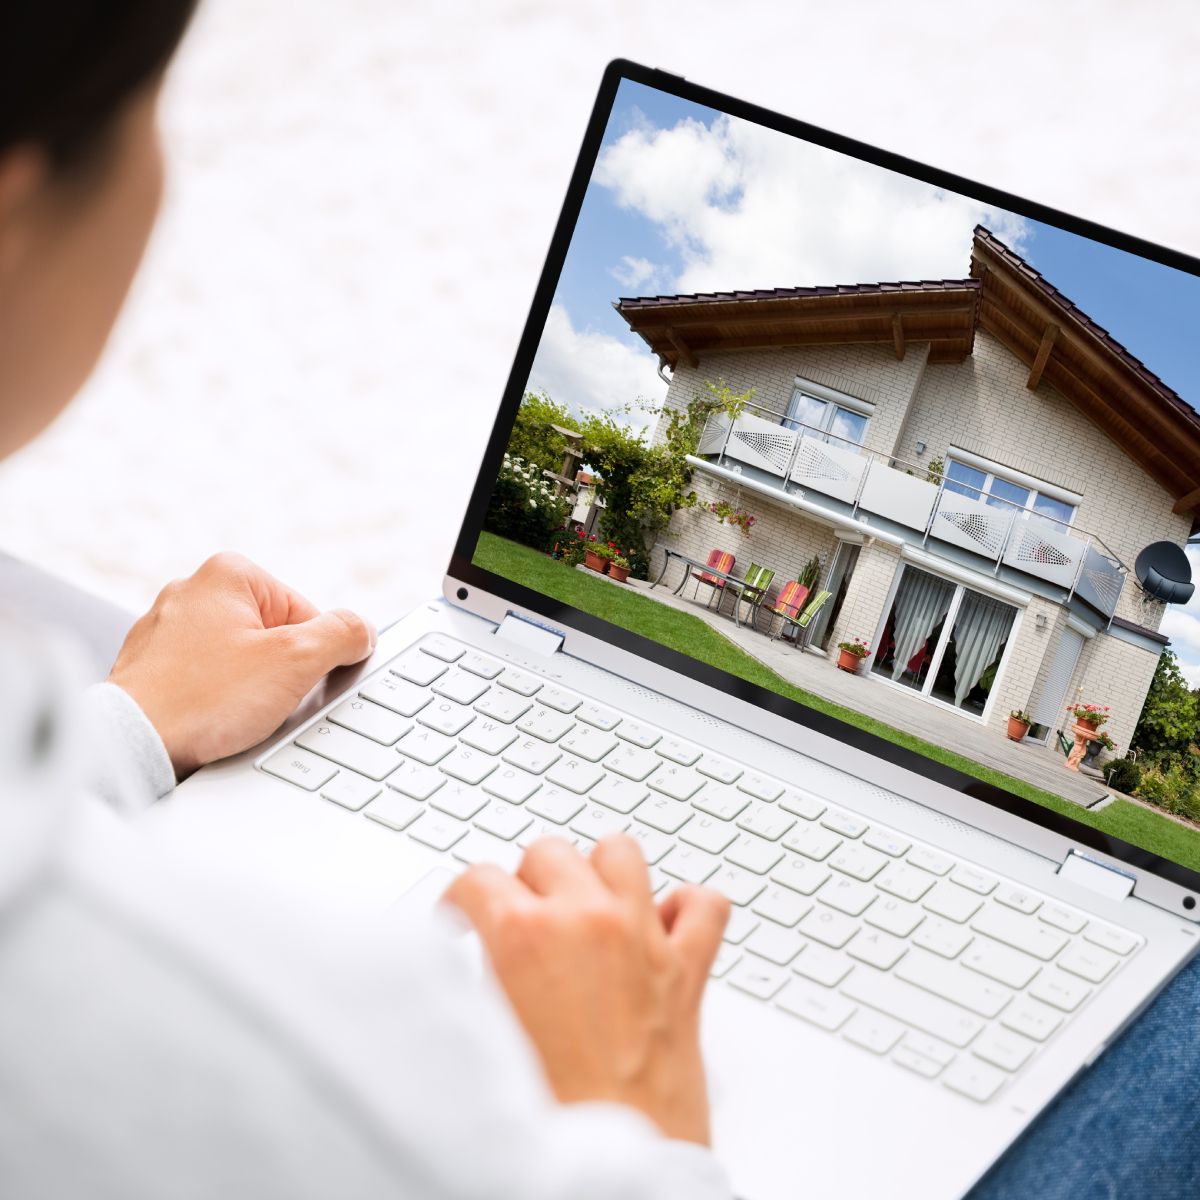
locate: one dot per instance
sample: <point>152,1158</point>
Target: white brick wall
<point>1117,674</point>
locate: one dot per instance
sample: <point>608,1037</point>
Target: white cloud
<point>590,371</point>
<point>1182,626</point>
<point>633,272</point>
<point>747,207</point>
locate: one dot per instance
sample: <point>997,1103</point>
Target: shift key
<point>349,749</point>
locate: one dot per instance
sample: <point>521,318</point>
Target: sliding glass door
<point>944,640</point>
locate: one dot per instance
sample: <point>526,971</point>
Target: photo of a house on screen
<point>948,505</point>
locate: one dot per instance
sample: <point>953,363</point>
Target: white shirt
<point>168,1031</point>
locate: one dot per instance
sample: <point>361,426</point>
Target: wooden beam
<point>961,307</point>
<point>1043,356</point>
<point>684,350</point>
<point>898,335</point>
<point>1187,503</point>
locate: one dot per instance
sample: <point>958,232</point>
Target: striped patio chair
<point>803,623</point>
<point>759,578</point>
<point>719,560</point>
<point>789,603</point>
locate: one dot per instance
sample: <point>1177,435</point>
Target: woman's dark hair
<point>68,67</point>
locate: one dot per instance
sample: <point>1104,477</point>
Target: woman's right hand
<point>606,983</point>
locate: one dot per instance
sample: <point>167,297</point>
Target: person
<point>169,1030</point>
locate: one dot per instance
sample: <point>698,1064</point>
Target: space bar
<point>911,1005</point>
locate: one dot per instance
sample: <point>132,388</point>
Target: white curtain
<point>921,602</point>
<point>980,628</point>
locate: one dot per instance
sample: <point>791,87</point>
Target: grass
<point>690,635</point>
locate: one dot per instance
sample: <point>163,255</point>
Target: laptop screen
<point>917,456</point>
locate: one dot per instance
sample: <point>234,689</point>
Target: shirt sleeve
<point>129,767</point>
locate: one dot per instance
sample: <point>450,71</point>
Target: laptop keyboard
<point>900,949</point>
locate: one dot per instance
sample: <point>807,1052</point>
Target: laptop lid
<point>942,434</point>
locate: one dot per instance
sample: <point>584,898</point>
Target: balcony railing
<point>998,530</point>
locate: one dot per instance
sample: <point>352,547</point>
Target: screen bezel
<point>462,569</point>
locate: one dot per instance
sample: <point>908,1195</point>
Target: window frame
<point>992,471</point>
<point>836,401</point>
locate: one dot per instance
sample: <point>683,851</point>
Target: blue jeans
<point>1127,1129</point>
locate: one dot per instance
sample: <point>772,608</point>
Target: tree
<point>532,437</point>
<point>1170,720</point>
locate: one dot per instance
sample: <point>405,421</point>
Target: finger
<point>695,919</point>
<point>277,603</point>
<point>483,891</point>
<point>619,862</point>
<point>331,639</point>
<point>553,867</point>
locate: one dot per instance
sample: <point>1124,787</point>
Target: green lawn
<point>690,635</point>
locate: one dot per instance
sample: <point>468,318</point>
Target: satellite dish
<point>1165,573</point>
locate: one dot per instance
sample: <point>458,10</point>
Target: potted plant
<point>1103,742</point>
<point>726,514</point>
<point>596,556</point>
<point>807,578</point>
<point>851,654</point>
<point>1088,719</point>
<point>618,569</point>
<point>1019,722</point>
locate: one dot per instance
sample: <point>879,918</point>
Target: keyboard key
<point>479,664</point>
<point>1001,963</point>
<point>545,723</point>
<point>675,781</point>
<point>1061,990</point>
<point>558,698</point>
<point>519,682</point>
<point>654,844</point>
<point>817,1006</point>
<point>720,801</point>
<point>955,903</point>
<point>873,1031</point>
<point>504,820</point>
<point>619,794</point>
<point>857,861</point>
<point>689,864</point>
<point>754,854</point>
<point>426,746</point>
<point>555,805</point>
<point>467,765</point>
<point>972,1078</point>
<point>707,833</point>
<point>1116,940</point>
<point>930,860</point>
<point>678,751</point>
<point>742,922</point>
<point>349,750</point>
<point>812,841</point>
<point>799,874</point>
<point>977,881</point>
<point>459,800</point>
<point>542,829</point>
<point>596,821</point>
<point>950,981</point>
<point>942,938</point>
<point>828,927</point>
<point>760,787</point>
<point>801,804</point>
<point>511,784</point>
<point>588,743</point>
<point>894,916</point>
<point>667,816</point>
<point>719,769</point>
<point>601,718</point>
<point>1062,918</point>
<point>492,737</point>
<point>443,647</point>
<point>782,905</point>
<point>416,781</point>
<point>395,693</point>
<point>1022,901</point>
<point>446,717</point>
<point>479,847</point>
<point>640,735</point>
<point>301,767</point>
<point>1004,1049</point>
<point>1088,962</point>
<point>502,706</point>
<point>906,1057</point>
<point>846,895</point>
<point>437,830</point>
<point>739,886</point>
<point>632,762</point>
<point>826,967</point>
<point>930,1047</point>
<point>727,957</point>
<point>460,686</point>
<point>575,775</point>
<point>877,949</point>
<point>1031,1018</point>
<point>891,844</point>
<point>844,823</point>
<point>912,1005</point>
<point>758,978</point>
<point>904,882</point>
<point>767,821</point>
<point>774,943</point>
<point>418,668</point>
<point>395,811</point>
<point>1014,930</point>
<point>350,791</point>
<point>531,754</point>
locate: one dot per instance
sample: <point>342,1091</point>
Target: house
<point>975,461</point>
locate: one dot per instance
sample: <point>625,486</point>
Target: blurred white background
<point>362,192</point>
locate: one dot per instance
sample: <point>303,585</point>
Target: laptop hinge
<point>1098,877</point>
<point>529,635</point>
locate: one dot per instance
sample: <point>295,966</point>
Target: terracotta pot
<point>1017,729</point>
<point>1086,730</point>
<point>848,662</point>
<point>594,562</point>
<point>620,574</point>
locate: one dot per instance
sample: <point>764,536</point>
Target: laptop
<point>824,541</point>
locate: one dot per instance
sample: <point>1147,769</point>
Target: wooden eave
<point>685,329</point>
<point>1062,347</point>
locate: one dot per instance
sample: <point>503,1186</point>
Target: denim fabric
<point>1127,1129</point>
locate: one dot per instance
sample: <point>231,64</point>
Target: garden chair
<point>757,582</point>
<point>789,603</point>
<point>803,623</point>
<point>718,560</point>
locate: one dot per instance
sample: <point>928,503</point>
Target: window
<point>843,422</point>
<point>993,488</point>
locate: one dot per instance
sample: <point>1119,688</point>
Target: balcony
<point>853,481</point>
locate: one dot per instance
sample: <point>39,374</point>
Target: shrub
<point>1123,775</point>
<point>524,506</point>
<point>1172,790</point>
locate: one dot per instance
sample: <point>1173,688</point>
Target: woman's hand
<point>606,983</point>
<point>224,657</point>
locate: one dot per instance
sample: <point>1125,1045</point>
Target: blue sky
<point>683,199</point>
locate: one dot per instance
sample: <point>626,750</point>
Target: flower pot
<point>1084,733</point>
<point>620,574</point>
<point>1086,730</point>
<point>594,562</point>
<point>1092,753</point>
<point>1017,729</point>
<point>848,662</point>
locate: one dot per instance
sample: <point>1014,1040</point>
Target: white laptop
<point>913,444</point>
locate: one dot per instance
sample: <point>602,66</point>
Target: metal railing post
<point>1087,549</point>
